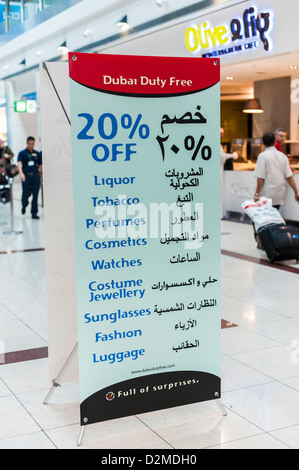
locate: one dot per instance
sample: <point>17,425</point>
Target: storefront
<point>257,45</point>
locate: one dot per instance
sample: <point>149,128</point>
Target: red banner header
<point>143,75</point>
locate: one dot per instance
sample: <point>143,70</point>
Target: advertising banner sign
<point>146,177</point>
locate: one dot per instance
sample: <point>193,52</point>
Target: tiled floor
<point>260,357</point>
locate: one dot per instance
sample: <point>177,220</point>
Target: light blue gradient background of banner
<point>159,333</point>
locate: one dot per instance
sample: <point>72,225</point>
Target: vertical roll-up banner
<point>146,172</point>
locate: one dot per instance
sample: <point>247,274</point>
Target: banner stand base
<point>56,381</point>
<point>56,384</point>
<point>82,430</point>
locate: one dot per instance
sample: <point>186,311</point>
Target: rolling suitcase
<point>280,241</point>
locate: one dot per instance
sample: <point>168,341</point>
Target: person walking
<point>30,166</point>
<point>6,154</point>
<point>272,172</point>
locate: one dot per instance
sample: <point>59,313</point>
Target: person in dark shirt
<point>30,167</point>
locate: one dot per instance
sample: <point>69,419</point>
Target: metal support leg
<point>57,380</point>
<point>80,439</point>
<point>222,409</point>
<point>55,384</point>
<point>85,421</point>
<point>11,231</point>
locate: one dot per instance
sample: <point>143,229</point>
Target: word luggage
<point>280,241</point>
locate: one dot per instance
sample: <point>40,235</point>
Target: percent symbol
<point>190,144</point>
<point>127,123</point>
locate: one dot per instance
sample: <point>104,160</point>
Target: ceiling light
<point>62,46</point>
<point>123,24</point>
<point>293,67</point>
<point>87,32</point>
<point>229,78</point>
<point>253,106</point>
<point>123,21</point>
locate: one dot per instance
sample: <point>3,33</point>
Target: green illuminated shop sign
<point>24,106</point>
<point>21,106</point>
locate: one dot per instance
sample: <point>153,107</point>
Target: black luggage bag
<point>280,242</point>
<point>4,189</point>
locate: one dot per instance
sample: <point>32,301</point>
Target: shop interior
<point>3,124</point>
<point>275,83</point>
